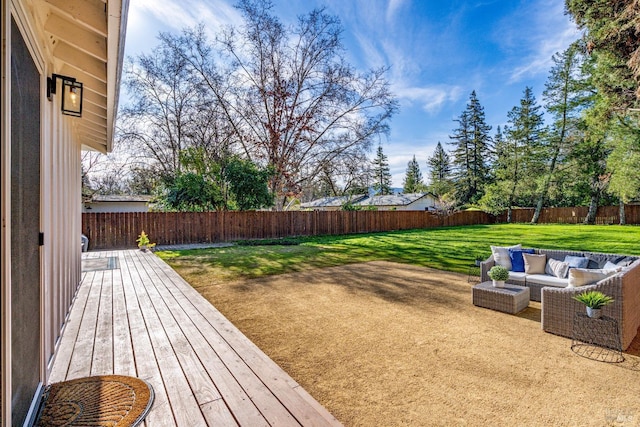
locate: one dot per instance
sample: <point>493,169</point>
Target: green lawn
<point>447,248</point>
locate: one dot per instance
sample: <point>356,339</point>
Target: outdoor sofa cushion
<point>516,276</point>
<point>501,255</point>
<point>576,261</point>
<point>556,268</point>
<point>534,264</point>
<point>517,261</point>
<point>546,280</point>
<point>586,276</point>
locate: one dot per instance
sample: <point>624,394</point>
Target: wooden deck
<point>133,315</point>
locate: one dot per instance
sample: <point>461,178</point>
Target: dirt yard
<point>384,344</point>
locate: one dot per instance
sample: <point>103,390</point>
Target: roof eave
<point>117,25</point>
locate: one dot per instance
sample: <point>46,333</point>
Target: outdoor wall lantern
<point>71,94</point>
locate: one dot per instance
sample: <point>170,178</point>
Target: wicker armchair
<point>559,307</point>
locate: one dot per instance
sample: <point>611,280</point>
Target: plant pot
<point>143,248</point>
<point>498,283</point>
<point>594,313</point>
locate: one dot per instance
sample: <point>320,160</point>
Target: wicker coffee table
<point>510,299</point>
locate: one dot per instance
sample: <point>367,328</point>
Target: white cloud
<point>392,8</point>
<point>175,15</point>
<point>373,56</point>
<point>431,99</point>
<point>552,32</point>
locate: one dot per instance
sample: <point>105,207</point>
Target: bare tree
<point>288,94</point>
<point>169,110</point>
<point>104,173</point>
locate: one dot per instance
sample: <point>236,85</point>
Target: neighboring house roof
<point>392,199</point>
<point>97,198</point>
<point>332,202</point>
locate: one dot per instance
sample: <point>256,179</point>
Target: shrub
<point>594,299</point>
<point>498,272</point>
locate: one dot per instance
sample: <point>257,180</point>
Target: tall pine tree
<point>565,98</point>
<point>439,166</point>
<point>471,153</point>
<point>413,179</point>
<point>381,174</point>
<point>525,151</point>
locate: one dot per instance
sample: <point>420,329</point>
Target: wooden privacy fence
<point>576,215</point>
<point>120,230</point>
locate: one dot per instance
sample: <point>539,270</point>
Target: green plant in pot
<point>143,242</point>
<point>499,275</point>
<point>594,300</point>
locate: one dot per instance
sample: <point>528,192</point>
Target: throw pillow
<point>626,262</point>
<point>585,276</point>
<point>556,268</point>
<point>576,261</point>
<point>501,255</point>
<point>534,264</point>
<point>517,262</point>
<point>611,266</point>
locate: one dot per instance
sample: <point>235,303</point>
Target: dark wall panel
<point>25,226</point>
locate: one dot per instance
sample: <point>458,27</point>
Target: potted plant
<point>498,274</point>
<point>594,300</point>
<point>143,242</point>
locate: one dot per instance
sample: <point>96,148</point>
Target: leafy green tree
<point>439,166</point>
<point>192,192</point>
<point>590,155</point>
<point>471,153</point>
<point>381,173</point>
<point>612,35</point>
<point>249,184</point>
<point>413,182</point>
<point>624,161</point>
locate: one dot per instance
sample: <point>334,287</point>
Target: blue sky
<point>438,51</point>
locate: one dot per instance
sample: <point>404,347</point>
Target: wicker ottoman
<point>510,299</point>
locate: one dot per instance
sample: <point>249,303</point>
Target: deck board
<point>141,318</point>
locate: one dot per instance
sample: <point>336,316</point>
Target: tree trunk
<point>509,215</point>
<point>536,213</point>
<point>590,219</point>
<point>547,183</point>
<point>623,219</point>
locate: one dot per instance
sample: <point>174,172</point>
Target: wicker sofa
<point>558,306</point>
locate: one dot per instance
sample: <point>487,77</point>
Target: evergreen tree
<point>472,150</point>
<point>495,198</point>
<point>614,49</point>
<point>612,40</point>
<point>439,171</point>
<point>564,97</point>
<point>525,153</point>
<point>381,173</point>
<point>499,150</point>
<point>413,179</point>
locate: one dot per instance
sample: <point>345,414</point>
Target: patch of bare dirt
<point>385,344</point>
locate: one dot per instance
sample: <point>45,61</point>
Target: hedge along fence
<point>120,230</point>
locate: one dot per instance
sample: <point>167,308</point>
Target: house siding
<point>60,191</point>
